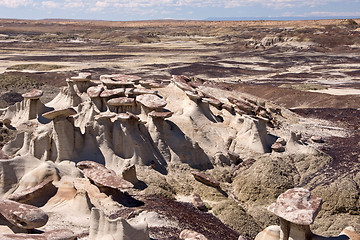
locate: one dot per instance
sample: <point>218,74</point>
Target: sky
<point>127,10</point>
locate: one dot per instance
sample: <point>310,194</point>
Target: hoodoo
<point>106,146</point>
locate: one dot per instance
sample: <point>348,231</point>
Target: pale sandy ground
<point>339,91</point>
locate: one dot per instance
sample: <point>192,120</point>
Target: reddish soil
<point>188,217</point>
<point>345,151</point>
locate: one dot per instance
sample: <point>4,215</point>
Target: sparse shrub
<point>35,67</point>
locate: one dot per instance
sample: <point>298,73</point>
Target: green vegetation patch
<point>304,87</point>
<point>35,67</point>
<point>10,81</point>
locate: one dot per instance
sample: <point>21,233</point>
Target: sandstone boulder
<point>23,215</point>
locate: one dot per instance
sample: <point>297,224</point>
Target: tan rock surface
<point>269,233</point>
<point>102,228</point>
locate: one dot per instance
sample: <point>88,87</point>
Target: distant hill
<point>276,18</point>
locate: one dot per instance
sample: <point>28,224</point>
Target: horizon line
<point>206,19</point>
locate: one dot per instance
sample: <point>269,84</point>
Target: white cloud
<point>335,14</point>
<point>74,4</point>
<point>15,3</point>
<point>50,4</point>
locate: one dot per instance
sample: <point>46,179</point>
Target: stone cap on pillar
<point>66,112</point>
<point>121,101</point>
<point>33,94</point>
<point>151,101</point>
<point>297,205</point>
<point>94,91</point>
<point>82,77</point>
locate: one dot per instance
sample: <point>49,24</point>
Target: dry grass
<point>35,67</point>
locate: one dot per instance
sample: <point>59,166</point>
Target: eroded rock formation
<point>80,151</point>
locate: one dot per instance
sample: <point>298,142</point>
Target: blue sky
<point>120,10</point>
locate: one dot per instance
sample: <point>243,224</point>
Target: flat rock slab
<point>102,176</point>
<point>105,115</point>
<point>31,193</point>
<point>151,84</point>
<point>139,91</point>
<point>212,101</point>
<point>297,205</point>
<point>194,96</point>
<point>126,78</point>
<point>33,94</point>
<point>241,104</point>
<point>121,101</point>
<point>23,215</point>
<point>94,91</point>
<point>82,77</point>
<point>155,114</point>
<point>112,92</point>
<point>123,116</point>
<point>151,101</point>
<point>201,177</point>
<point>59,113</point>
<point>116,83</point>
